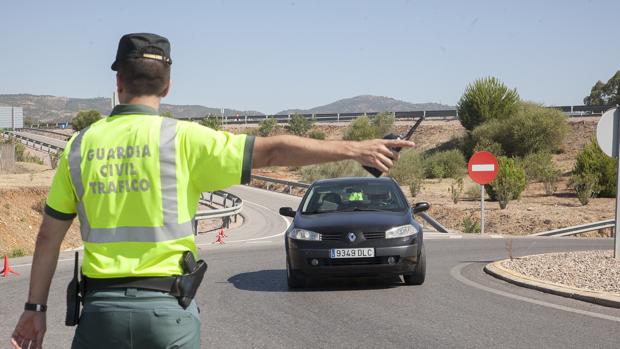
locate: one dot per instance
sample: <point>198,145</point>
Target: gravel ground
<point>590,270</point>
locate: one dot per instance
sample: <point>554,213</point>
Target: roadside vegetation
<point>84,119</point>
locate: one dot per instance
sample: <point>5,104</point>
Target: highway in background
<point>245,302</point>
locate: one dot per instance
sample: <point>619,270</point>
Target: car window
<point>369,196</point>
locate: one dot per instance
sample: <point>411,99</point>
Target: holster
<point>187,284</point>
<point>74,300</point>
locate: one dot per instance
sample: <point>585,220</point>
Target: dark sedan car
<point>354,227</point>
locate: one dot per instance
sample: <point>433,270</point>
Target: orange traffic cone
<point>219,240</point>
<point>222,233</point>
<point>7,269</point>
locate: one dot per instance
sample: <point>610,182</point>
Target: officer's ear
<point>167,89</point>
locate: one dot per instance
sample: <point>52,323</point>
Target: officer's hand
<point>29,331</point>
<point>378,153</point>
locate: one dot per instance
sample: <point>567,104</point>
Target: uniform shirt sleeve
<point>216,159</point>
<point>61,200</point>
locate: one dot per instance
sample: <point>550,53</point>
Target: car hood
<point>352,221</point>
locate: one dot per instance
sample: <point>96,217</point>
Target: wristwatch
<point>35,307</point>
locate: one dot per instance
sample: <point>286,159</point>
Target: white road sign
<point>607,132</point>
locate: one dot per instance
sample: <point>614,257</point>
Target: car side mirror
<point>287,211</point>
<point>421,207</point>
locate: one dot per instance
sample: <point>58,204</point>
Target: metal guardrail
<point>578,229</point>
<point>66,136</point>
<point>434,223</point>
<point>225,213</point>
<point>447,114</point>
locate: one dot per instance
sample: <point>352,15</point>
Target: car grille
<point>342,236</point>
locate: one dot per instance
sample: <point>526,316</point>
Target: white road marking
<point>456,273</point>
<point>483,168</point>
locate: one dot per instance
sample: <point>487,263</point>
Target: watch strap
<point>35,307</point>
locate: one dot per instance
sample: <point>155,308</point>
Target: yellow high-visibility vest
<point>134,179</point>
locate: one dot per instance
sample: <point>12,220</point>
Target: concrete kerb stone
<point>495,269</point>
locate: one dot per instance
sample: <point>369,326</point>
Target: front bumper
<point>406,260</point>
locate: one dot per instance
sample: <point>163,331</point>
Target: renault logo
<point>351,237</point>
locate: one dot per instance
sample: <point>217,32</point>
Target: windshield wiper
<point>353,209</point>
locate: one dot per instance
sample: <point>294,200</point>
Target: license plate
<point>352,252</point>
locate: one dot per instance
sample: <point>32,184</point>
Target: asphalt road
<point>245,302</point>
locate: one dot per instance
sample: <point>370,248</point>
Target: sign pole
<point>482,209</point>
<point>616,146</point>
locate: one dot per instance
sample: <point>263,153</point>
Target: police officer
<point>134,179</point>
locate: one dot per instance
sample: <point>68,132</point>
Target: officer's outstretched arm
<point>298,151</point>
<point>31,327</point>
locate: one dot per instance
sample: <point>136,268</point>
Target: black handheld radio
<point>376,172</point>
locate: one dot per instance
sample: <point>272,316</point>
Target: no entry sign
<point>483,167</point>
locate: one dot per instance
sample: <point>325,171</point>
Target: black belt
<point>167,284</point>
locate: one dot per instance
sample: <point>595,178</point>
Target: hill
<point>368,103</point>
<point>52,108</point>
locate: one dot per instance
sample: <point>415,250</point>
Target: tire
<point>293,279</point>
<point>419,275</point>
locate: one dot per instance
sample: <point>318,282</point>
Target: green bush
<point>359,130</point>
<point>592,162</point>
<point>347,168</point>
<point>212,122</point>
<point>456,189</point>
<point>84,119</point>
<point>484,100</point>
<point>366,127</point>
<point>316,134</point>
<point>299,125</point>
<point>410,166</point>
<point>531,129</point>
<point>585,185</point>
<point>445,164</point>
<point>509,183</point>
<point>18,252</point>
<point>471,225</point>
<point>267,127</point>
<point>540,167</point>
<point>415,186</point>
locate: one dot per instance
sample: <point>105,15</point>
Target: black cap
<point>142,45</point>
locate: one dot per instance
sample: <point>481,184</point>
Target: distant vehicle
<point>354,227</point>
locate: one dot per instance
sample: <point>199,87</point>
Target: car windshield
<point>347,197</point>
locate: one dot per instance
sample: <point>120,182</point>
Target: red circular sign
<point>483,167</point>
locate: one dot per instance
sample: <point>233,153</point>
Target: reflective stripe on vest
<point>170,229</point>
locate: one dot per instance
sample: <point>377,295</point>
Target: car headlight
<point>400,232</point>
<point>302,234</point>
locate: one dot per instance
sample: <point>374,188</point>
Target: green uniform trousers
<point>133,319</point>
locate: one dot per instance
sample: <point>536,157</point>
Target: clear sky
<point>273,55</point>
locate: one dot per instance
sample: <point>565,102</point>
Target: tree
<point>85,118</point>
<point>486,99</point>
<point>360,129</point>
<point>605,93</point>
<point>382,123</point>
<point>267,126</point>
<point>299,125</point>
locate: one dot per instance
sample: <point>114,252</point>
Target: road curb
<point>495,269</point>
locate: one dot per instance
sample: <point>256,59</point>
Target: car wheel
<point>293,279</point>
<point>418,276</point>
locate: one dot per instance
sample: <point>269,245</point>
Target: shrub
<point>532,129</point>
<point>316,134</point>
<point>212,122</point>
<point>347,168</point>
<point>509,183</point>
<point>471,225</point>
<point>585,185</point>
<point>18,252</point>
<point>473,192</point>
<point>445,164</point>
<point>299,125</point>
<point>456,189</point>
<point>591,161</point>
<point>415,186</point>
<point>84,119</point>
<point>486,99</point>
<point>54,158</point>
<point>365,127</point>
<point>410,166</point>
<point>267,127</point>
<point>359,130</point>
<point>539,167</point>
